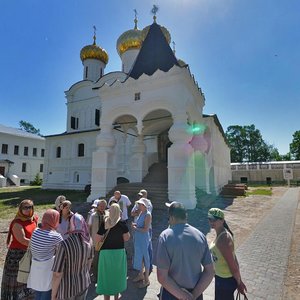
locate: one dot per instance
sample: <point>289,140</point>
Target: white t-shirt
<point>124,202</point>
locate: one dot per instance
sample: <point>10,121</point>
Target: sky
<point>244,54</point>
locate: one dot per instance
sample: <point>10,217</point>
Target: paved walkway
<point>263,257</point>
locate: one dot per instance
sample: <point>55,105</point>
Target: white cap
<point>95,203</point>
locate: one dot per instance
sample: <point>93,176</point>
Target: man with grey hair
<point>184,265</point>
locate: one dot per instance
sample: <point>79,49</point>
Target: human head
<point>59,200</point>
<point>114,216</point>
<point>117,195</point>
<point>143,193</point>
<point>26,208</point>
<point>102,204</point>
<point>177,212</point>
<point>50,219</point>
<point>78,225</point>
<point>143,204</point>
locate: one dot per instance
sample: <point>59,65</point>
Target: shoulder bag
<point>99,244</point>
<point>240,296</point>
<point>24,266</point>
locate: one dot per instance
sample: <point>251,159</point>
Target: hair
<point>178,212</point>
<point>227,227</point>
<point>64,204</point>
<point>102,201</point>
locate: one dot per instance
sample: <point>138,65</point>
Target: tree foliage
<point>295,145</point>
<point>247,145</point>
<point>26,126</point>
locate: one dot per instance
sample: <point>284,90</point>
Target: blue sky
<point>245,55</point>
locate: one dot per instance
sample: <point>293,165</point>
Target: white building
<point>22,156</point>
<point>119,124</point>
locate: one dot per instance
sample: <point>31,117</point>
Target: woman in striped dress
<point>44,242</point>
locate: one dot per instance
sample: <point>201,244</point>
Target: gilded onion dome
<point>94,52</point>
<point>130,39</point>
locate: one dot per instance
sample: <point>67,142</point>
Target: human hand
<point>186,295</point>
<point>242,287</point>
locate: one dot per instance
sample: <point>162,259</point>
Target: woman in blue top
<point>141,257</point>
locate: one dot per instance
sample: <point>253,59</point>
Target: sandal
<point>138,278</point>
<point>143,284</point>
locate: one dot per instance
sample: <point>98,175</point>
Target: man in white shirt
<point>123,201</point>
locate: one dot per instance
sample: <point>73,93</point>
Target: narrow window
<point>42,152</point>
<point>86,72</point>
<point>58,152</point>
<point>16,150</point>
<point>97,117</point>
<point>34,152</point>
<point>137,96</point>
<point>74,122</point>
<point>80,150</point>
<point>101,72</point>
<point>23,167</point>
<point>25,151</point>
<point>4,149</point>
<point>41,168</point>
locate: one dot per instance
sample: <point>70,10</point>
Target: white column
<point>181,165</point>
<point>103,169</point>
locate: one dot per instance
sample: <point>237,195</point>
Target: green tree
<point>295,145</point>
<point>29,127</point>
<point>247,144</point>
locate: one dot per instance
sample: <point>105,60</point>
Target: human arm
<point>135,211</point>
<point>169,284</point>
<point>206,278</point>
<point>56,279</point>
<point>126,236</point>
<point>226,247</point>
<point>19,234</point>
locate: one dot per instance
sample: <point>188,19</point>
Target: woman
<point>112,267</point>
<point>44,242</point>
<point>141,257</point>
<point>19,234</point>
<point>64,218</point>
<point>228,277</point>
<point>72,263</point>
<point>58,201</point>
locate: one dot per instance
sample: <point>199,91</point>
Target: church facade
<point>121,123</point>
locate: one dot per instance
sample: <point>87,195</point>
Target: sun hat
<point>142,193</point>
<point>143,201</point>
<point>215,213</point>
<point>95,203</point>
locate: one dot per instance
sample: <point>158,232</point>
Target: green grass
<point>11,197</point>
<point>259,191</point>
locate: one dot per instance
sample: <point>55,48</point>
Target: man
<point>184,265</point>
<point>94,223</point>
<point>124,203</point>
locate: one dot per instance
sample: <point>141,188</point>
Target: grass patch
<point>43,199</point>
<point>259,191</point>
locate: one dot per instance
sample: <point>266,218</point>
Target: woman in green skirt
<point>112,266</point>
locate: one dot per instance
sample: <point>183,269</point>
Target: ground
<point>242,215</point>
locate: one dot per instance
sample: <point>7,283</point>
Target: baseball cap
<point>95,203</point>
<point>142,192</point>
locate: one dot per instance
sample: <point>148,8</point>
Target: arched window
<point>58,152</point>
<point>81,149</point>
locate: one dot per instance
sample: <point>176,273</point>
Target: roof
<point>155,54</point>
<point>19,132</point>
<point>73,132</point>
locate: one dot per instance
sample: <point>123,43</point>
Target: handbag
<point>24,267</point>
<point>99,244</point>
<point>239,296</point>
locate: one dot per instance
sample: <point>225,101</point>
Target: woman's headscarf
<point>50,219</point>
<point>114,216</point>
<point>78,225</point>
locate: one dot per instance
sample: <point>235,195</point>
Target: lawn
<point>263,191</point>
<point>11,197</point>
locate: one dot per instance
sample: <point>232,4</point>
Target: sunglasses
<point>27,207</point>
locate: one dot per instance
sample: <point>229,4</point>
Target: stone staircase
<point>155,182</point>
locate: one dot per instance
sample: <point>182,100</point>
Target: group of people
<point>66,259</point>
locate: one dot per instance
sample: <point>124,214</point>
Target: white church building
<point>121,123</point>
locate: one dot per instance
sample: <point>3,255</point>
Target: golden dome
<point>130,39</point>
<point>94,52</point>
<point>164,30</point>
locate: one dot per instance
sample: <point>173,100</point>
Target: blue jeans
<point>42,295</point>
<point>224,288</point>
<point>165,295</point>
